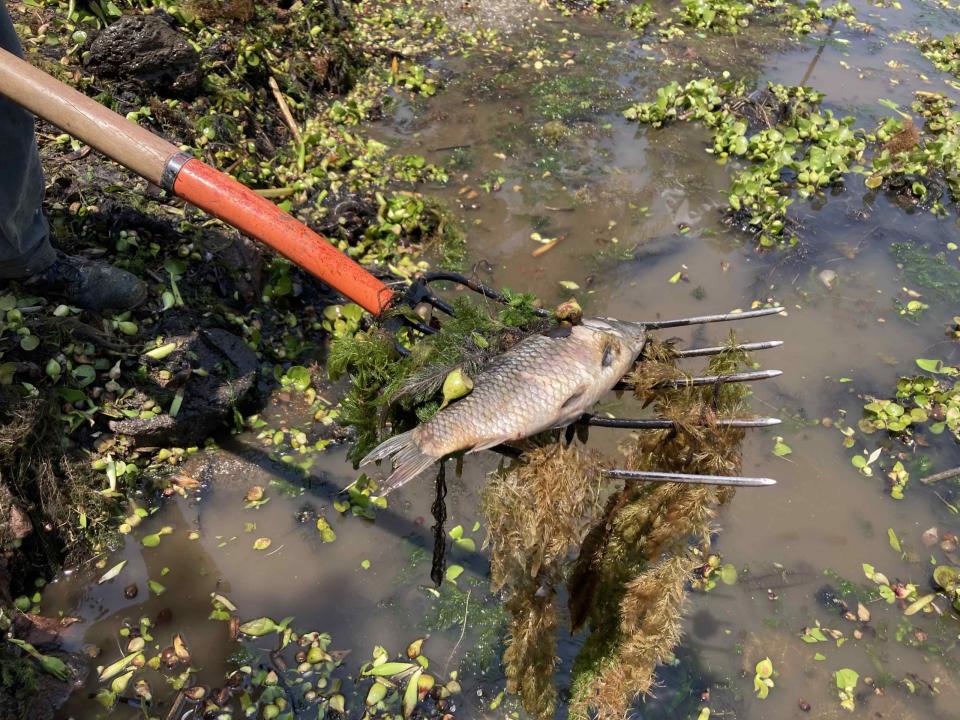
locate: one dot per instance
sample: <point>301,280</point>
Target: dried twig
<point>937,477</point>
<point>285,109</point>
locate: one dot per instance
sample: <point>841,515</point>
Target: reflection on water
<point>630,209</point>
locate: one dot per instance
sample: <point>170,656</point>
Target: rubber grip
<point>225,198</point>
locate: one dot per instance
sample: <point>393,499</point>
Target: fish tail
<point>407,457</point>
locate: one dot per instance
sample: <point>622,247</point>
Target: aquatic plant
<point>628,582</point>
<point>780,136</point>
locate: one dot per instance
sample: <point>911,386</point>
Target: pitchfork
<point>165,165</point>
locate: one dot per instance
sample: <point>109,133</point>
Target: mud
<point>149,51</point>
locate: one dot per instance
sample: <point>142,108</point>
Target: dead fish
<point>545,381</point>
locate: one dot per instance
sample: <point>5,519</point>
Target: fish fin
<point>573,398</point>
<point>407,458</point>
<point>491,443</point>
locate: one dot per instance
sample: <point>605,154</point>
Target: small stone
<point>130,591</point>
<point>804,705</point>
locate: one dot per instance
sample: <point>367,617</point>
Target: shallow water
<point>604,188</point>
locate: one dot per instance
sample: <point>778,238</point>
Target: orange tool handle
<point>162,163</point>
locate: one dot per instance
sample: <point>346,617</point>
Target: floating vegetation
<point>785,140</point>
<point>923,168</point>
<point>628,584</point>
<point>929,402</point>
<point>725,17</point>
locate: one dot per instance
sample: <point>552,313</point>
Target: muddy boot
<point>88,284</point>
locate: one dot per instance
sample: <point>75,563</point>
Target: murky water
<point>605,187</point>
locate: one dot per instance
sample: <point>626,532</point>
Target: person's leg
<point>25,250</point>
<point>24,236</point>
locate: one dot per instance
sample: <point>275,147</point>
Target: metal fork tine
<point>716,350</point>
<point>712,379</point>
<point>659,424</point>
<point>656,324</point>
<point>652,476</point>
<point>708,380</point>
<point>419,326</point>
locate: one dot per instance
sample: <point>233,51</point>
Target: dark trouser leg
<point>24,236</point>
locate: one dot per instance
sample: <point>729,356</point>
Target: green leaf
<point>156,587</point>
<point>780,448</point>
<point>453,572</point>
<point>389,669</point>
<point>411,694</point>
<point>933,366</point>
<point>728,574</point>
<point>919,604</point>
<point>327,534</point>
<point>846,678</point>
<point>569,285</point>
<point>262,543</point>
<point>675,278</point>
<point>29,343</point>
<point>118,667</point>
<point>112,572</point>
<point>260,626</point>
<point>894,540</point>
<point>764,668</point>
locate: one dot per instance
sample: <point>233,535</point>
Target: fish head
<point>632,336</point>
<point>613,345</point>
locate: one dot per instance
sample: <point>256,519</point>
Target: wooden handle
<point>73,112</point>
<point>162,163</point>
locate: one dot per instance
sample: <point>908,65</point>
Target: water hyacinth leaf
<point>114,669</point>
<point>257,628</point>
<point>846,678</point>
<point>919,604</point>
<point>327,534</point>
<point>376,694</point>
<point>466,544</point>
<point>50,664</point>
<point>411,694</point>
<point>780,448</point>
<point>119,684</point>
<point>389,669</point>
<point>932,366</point>
<point>456,385</point>
<point>161,352</point>
<point>894,540</point>
<point>946,577</point>
<point>453,572</point>
<point>414,649</point>
<point>112,572</point>
<point>29,343</point>
<point>106,698</point>
<point>299,377</point>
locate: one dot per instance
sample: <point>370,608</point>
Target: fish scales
<point>545,381</point>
